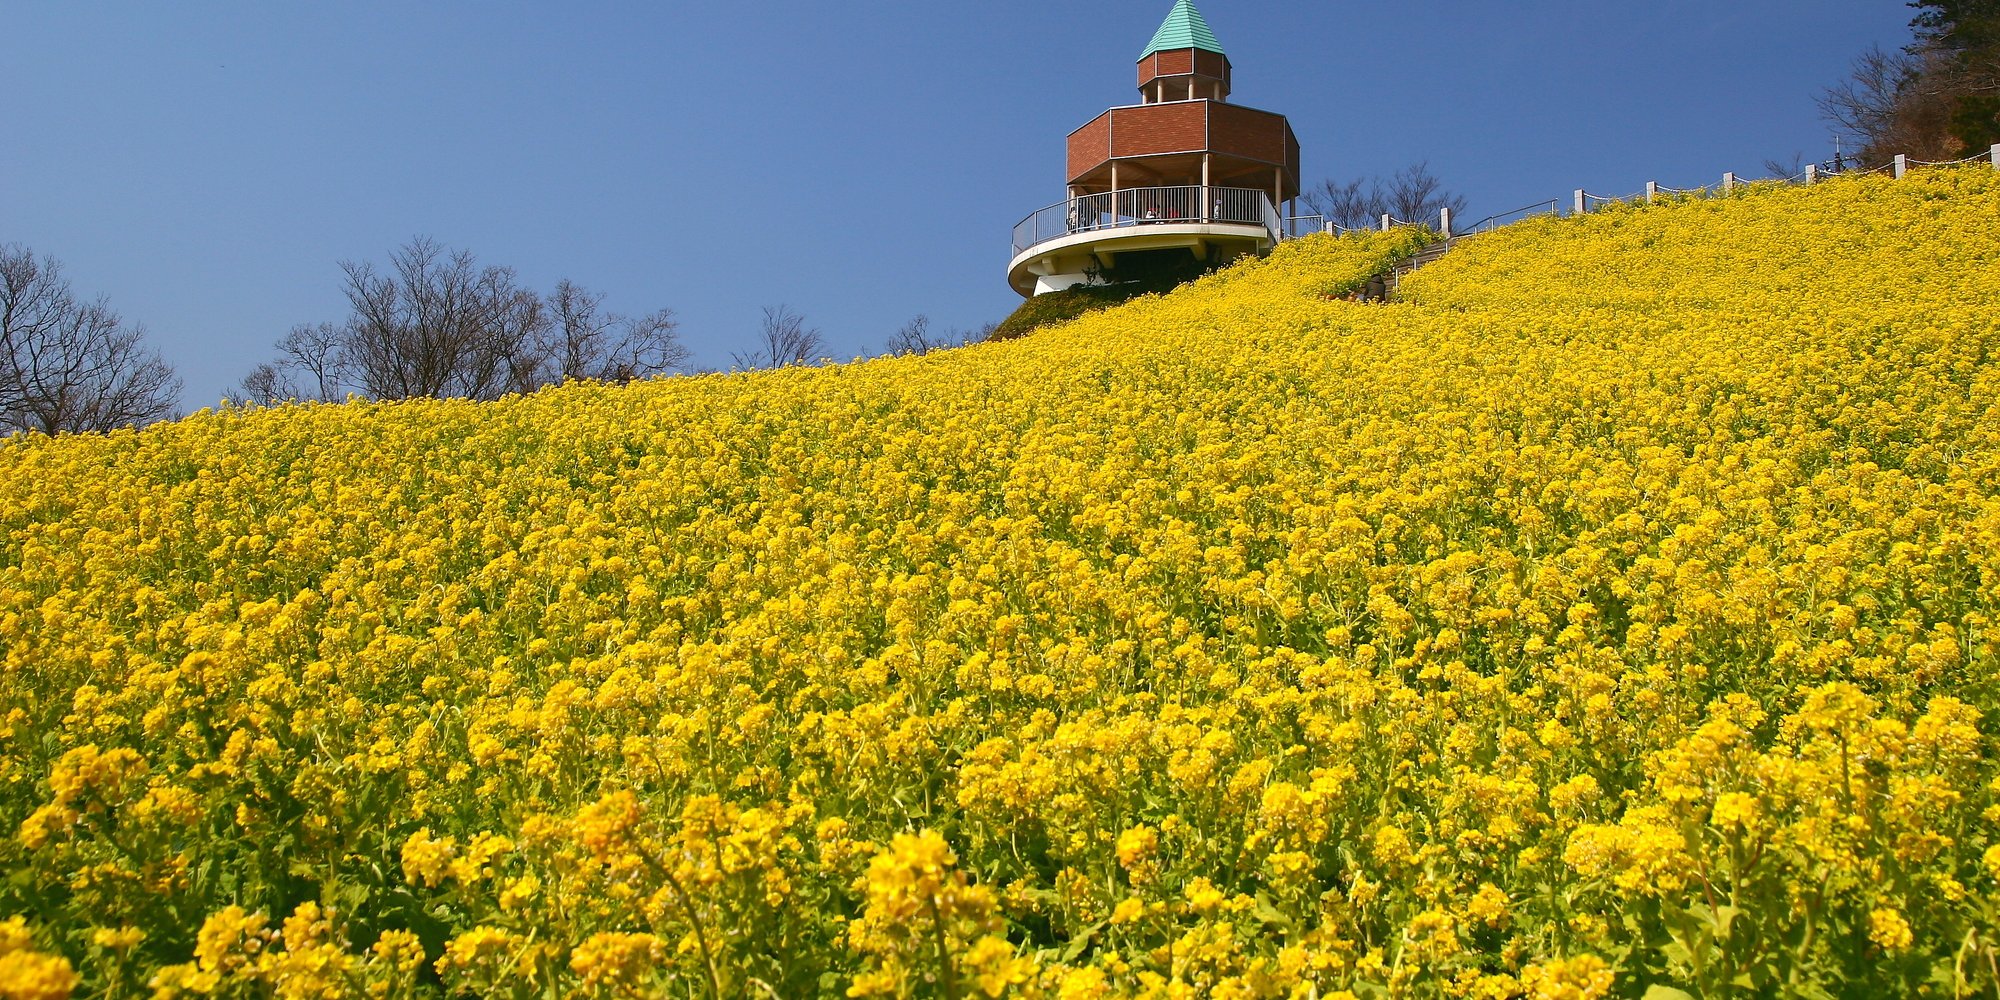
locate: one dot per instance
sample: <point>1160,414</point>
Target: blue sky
<point>207,165</point>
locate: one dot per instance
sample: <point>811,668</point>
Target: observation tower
<point>1183,172</point>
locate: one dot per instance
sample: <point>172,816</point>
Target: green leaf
<point>1269,913</point>
<point>1081,942</point>
<point>1658,992</point>
<point>1677,953</point>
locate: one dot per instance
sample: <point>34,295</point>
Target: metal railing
<point>1245,206</point>
<point>1305,225</point>
<point>1497,219</point>
<point>1148,206</point>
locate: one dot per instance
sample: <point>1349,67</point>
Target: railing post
<point>1902,165</point>
<point>1812,173</point>
<point>1652,191</point>
<point>1996,156</point>
<point>1385,222</point>
<point>1729,181</point>
<point>1581,208</point>
<point>1444,221</point>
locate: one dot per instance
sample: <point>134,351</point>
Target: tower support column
<point>1114,192</point>
<point>1207,203</point>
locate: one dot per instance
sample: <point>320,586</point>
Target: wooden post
<point>1729,181</point>
<point>1444,222</point>
<point>1812,173</point>
<point>1652,191</point>
<point>1385,222</point>
<point>1996,156</point>
<point>1902,165</point>
<point>1581,207</point>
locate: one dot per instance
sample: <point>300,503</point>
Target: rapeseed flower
<point>1627,587</point>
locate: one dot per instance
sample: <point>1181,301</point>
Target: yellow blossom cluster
<point>1611,615</point>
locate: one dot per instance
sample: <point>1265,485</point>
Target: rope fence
<point>1582,202</point>
<point>1976,158</point>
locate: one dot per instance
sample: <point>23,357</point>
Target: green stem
<point>946,976</point>
<point>694,922</point>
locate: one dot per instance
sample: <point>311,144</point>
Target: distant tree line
<point>69,364</point>
<point>1412,194</point>
<point>433,322</point>
<point>1936,99</point>
<point>919,337</point>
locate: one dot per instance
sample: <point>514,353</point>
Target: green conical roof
<point>1184,28</point>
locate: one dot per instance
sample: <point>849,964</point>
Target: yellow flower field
<point>1611,617</point>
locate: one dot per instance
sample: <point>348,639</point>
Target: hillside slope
<point>1614,611</point>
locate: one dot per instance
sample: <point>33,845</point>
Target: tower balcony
<point>1060,245</point>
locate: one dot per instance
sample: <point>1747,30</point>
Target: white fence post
<point>1652,191</point>
<point>1996,156</point>
<point>1902,165</point>
<point>1812,173</point>
<point>1582,208</point>
<point>1385,222</point>
<point>1729,181</point>
<point>1444,221</point>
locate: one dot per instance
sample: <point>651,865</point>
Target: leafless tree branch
<point>1412,194</point>
<point>68,365</point>
<point>916,337</point>
<point>435,323</point>
<point>783,339</point>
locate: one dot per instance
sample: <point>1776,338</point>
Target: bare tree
<point>318,352</point>
<point>311,365</point>
<point>1412,194</point>
<point>589,343</point>
<point>782,339</point>
<point>915,337</point>
<point>437,324</point>
<point>1774,167</point>
<point>1349,204</point>
<point>268,384</point>
<point>68,365</point>
<point>1894,102</point>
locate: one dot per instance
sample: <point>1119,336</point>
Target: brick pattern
<point>1213,64</point>
<point>1246,132</point>
<point>1159,128</point>
<point>1090,145</point>
<point>1185,62</point>
<point>1186,127</point>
